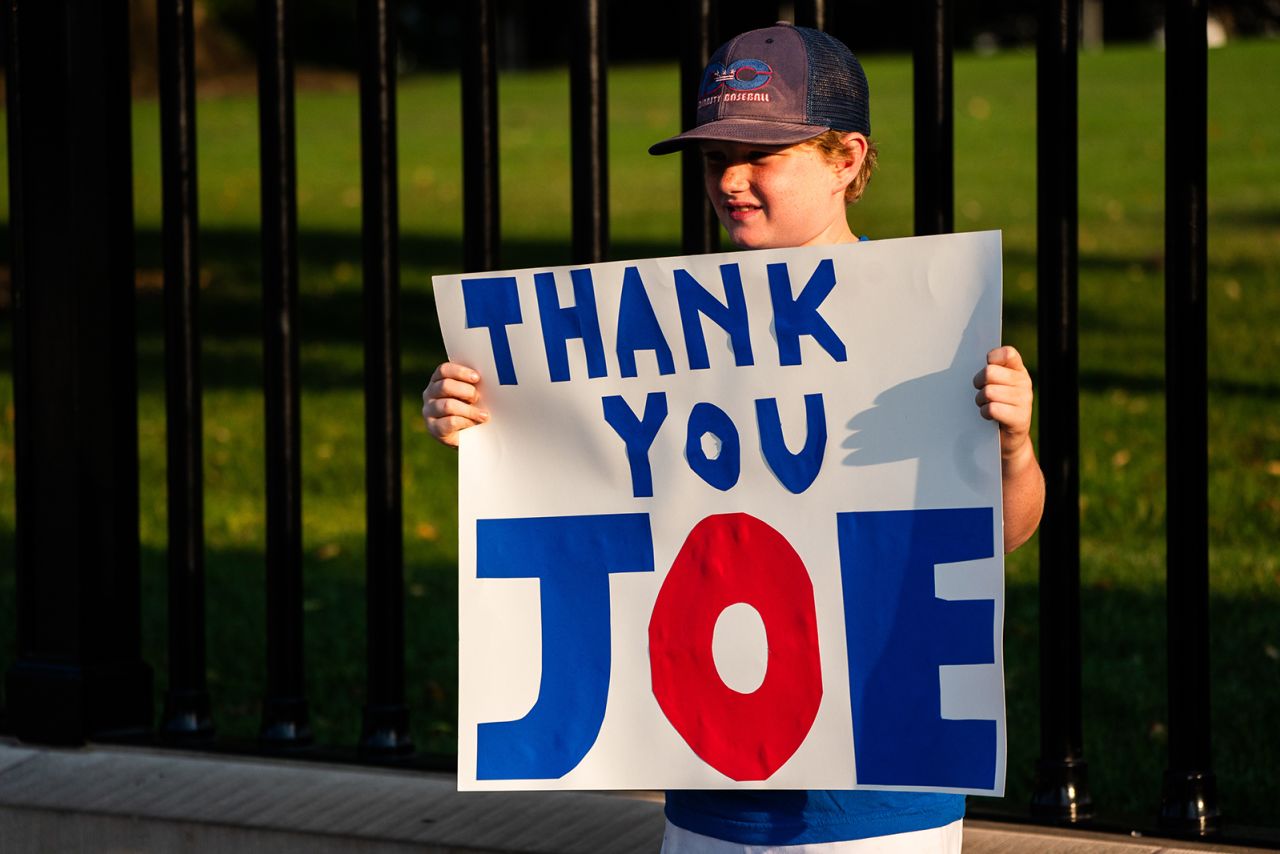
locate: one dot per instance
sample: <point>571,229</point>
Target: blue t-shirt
<point>802,817</point>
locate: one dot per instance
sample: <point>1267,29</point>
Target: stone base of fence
<point>139,800</point>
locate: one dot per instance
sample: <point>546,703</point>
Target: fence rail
<point>79,674</point>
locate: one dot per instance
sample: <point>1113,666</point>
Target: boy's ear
<point>855,145</point>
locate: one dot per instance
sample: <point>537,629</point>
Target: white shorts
<point>935,840</point>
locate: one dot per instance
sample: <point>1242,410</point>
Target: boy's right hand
<point>448,403</point>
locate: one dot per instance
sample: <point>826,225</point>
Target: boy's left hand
<point>1004,396</point>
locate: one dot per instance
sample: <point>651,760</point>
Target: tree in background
<point>218,51</point>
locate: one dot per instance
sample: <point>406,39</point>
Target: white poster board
<point>735,521</point>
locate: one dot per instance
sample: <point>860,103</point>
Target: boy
<point>783,125</point>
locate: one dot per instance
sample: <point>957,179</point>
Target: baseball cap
<point>777,86</point>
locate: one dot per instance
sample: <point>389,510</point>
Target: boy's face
<point>771,197</point>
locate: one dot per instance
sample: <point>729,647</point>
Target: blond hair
<point>831,145</point>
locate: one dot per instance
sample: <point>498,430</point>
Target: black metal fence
<point>79,673</point>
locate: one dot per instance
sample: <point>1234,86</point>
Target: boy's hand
<point>1004,396</point>
<point>448,403</point>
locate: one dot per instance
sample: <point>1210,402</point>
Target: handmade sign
<point>735,521</point>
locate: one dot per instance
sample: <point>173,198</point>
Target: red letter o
<point>728,559</point>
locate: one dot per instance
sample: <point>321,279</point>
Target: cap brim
<point>740,130</point>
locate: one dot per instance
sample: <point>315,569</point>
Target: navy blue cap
<point>778,86</point>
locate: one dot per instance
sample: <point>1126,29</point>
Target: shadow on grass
<point>1263,217</point>
<point>330,310</point>
<point>1125,715</point>
<point>334,639</point>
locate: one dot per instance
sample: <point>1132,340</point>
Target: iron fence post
<point>187,707</point>
<point>589,115</point>
<point>699,227</point>
<point>386,715</point>
<point>812,13</point>
<point>79,671</point>
<point>1189,801</point>
<point>284,708</point>
<point>933,126</point>
<point>480,187</point>
<point>1061,788</point>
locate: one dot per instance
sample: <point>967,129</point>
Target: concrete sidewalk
<point>114,799</point>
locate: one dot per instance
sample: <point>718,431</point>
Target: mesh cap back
<point>838,92</point>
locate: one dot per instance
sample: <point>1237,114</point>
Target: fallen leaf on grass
<point>435,691</point>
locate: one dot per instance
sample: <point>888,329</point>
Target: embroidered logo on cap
<point>740,76</point>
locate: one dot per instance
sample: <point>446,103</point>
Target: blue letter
<point>730,316</point>
<point>572,557</point>
<point>638,434</point>
<point>795,317</point>
<point>561,324</point>
<point>796,471</point>
<point>721,472</point>
<point>494,303</point>
<point>898,633</point>
<point>638,327</point>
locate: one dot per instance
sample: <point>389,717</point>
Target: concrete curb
<point>119,799</point>
<point>122,799</point>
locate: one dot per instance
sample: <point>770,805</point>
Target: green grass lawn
<point>1121,360</point>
